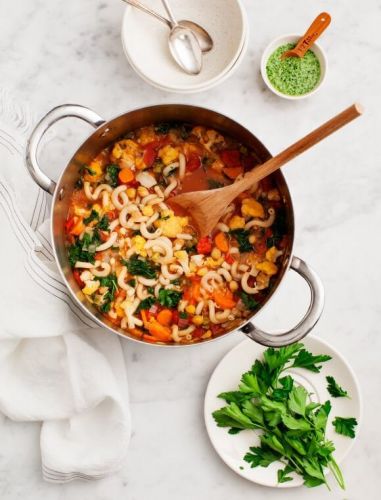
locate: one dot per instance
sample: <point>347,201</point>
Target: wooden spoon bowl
<point>207,207</point>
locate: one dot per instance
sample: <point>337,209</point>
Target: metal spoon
<point>203,37</point>
<point>183,45</point>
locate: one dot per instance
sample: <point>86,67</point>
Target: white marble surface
<point>58,52</point>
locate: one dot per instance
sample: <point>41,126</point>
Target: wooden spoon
<point>207,207</point>
<point>319,25</point>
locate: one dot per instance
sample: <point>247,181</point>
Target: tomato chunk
<point>193,162</point>
<point>231,157</point>
<point>204,245</point>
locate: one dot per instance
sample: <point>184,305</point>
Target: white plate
<point>145,42</point>
<point>226,376</point>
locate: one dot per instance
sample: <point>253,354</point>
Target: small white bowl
<point>282,40</point>
<point>145,43</point>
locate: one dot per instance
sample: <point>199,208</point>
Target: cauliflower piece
<point>197,259</point>
<point>252,208</point>
<point>93,171</point>
<point>183,258</point>
<point>272,254</point>
<point>213,138</point>
<point>237,222</point>
<point>138,242</point>
<point>172,226</point>
<point>91,287</point>
<point>267,267</point>
<point>273,195</point>
<point>147,135</point>
<point>168,154</point>
<point>126,150</point>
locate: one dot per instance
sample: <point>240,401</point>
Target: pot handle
<point>54,115</point>
<point>306,324</point>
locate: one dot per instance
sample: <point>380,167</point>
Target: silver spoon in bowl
<point>183,45</point>
<point>204,39</point>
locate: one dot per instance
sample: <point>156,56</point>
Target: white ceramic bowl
<point>282,40</point>
<point>145,43</point>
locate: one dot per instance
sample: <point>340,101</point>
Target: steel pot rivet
<point>61,194</point>
<point>105,132</point>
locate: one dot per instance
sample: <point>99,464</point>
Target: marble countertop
<point>59,52</point>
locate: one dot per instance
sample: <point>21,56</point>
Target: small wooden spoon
<point>319,25</point>
<point>207,207</point>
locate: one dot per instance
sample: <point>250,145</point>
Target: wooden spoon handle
<point>328,128</point>
<point>320,24</point>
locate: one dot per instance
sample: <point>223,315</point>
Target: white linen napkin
<point>56,365</point>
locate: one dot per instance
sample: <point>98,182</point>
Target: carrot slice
<point>222,242</point>
<point>224,299</point>
<point>159,331</point>
<point>144,316</point>
<point>165,317</point>
<point>232,172</point>
<point>126,175</point>
<point>136,331</point>
<point>78,228</point>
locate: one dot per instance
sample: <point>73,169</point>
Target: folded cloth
<point>56,365</point>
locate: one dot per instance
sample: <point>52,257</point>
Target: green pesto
<point>293,75</point>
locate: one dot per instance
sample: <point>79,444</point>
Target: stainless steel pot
<point>107,132</point>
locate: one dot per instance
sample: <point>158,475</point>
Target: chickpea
<point>233,285</point>
<point>216,253</point>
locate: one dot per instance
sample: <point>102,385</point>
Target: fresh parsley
<point>93,216</point>
<point>112,172</point>
<point>306,360</point>
<point>162,128</point>
<point>169,298</point>
<point>292,428</point>
<point>345,426</point>
<point>137,266</point>
<point>104,223</point>
<point>334,389</point>
<point>146,303</point>
<point>83,250</point>
<point>213,184</point>
<point>248,301</point>
<point>242,237</point>
<point>110,282</point>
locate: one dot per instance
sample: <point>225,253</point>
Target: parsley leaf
<point>261,456</point>
<point>283,474</point>
<point>213,184</point>
<point>345,426</point>
<point>83,250</point>
<point>146,303</point>
<point>93,216</point>
<point>306,360</point>
<point>104,223</point>
<point>138,266</point>
<point>242,237</point>
<point>248,301</point>
<point>169,298</point>
<point>334,389</point>
<point>162,128</point>
<point>110,282</point>
<point>112,172</point>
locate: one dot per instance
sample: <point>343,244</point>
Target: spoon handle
<point>328,128</point>
<point>147,10</point>
<point>167,7</point>
<point>319,25</point>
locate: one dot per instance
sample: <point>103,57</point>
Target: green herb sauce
<point>293,75</point>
